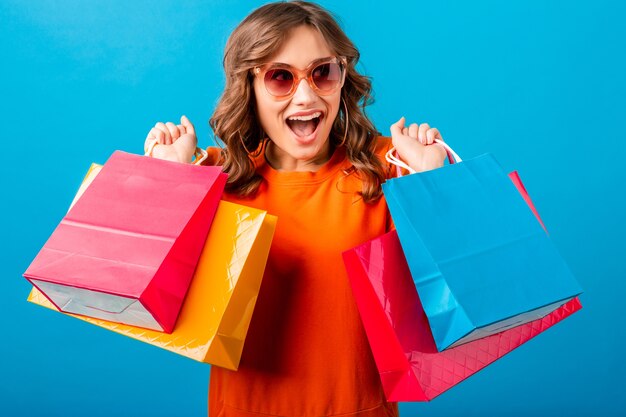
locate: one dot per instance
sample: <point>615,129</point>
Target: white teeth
<point>309,117</point>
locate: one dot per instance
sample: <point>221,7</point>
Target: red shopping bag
<point>127,250</point>
<point>410,367</point>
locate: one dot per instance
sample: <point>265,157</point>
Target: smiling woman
<point>299,124</point>
<point>520,79</point>
<point>325,76</point>
<point>299,145</point>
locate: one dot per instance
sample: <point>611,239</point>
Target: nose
<point>304,94</point>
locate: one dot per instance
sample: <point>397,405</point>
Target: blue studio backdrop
<point>540,84</point>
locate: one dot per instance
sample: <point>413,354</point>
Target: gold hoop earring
<point>347,120</point>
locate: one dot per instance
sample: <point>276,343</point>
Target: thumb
<point>188,126</point>
<point>396,128</point>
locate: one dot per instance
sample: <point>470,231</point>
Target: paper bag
<point>410,367</point>
<point>215,316</point>
<point>127,249</point>
<point>480,260</point>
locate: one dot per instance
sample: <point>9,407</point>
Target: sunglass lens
<point>327,76</point>
<point>278,81</point>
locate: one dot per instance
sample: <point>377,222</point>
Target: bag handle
<point>391,157</point>
<point>200,154</point>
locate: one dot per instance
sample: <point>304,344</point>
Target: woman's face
<point>298,126</point>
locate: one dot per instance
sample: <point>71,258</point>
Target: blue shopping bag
<point>480,259</point>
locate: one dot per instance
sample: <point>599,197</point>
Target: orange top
<point>306,352</point>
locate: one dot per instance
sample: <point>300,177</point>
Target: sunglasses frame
<point>299,75</point>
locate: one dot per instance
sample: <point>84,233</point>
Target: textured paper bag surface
<point>215,316</point>
<point>140,219</point>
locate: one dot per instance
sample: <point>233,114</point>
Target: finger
<point>405,131</point>
<point>421,134</point>
<point>162,133</point>
<point>173,130</point>
<point>181,129</point>
<point>168,137</point>
<point>158,135</point>
<point>151,134</point>
<point>396,128</point>
<point>413,130</point>
<point>188,125</point>
<point>432,134</point>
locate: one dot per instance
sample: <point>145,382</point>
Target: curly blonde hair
<point>235,121</point>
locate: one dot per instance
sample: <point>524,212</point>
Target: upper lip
<point>306,113</point>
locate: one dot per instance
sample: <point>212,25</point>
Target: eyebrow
<point>282,64</point>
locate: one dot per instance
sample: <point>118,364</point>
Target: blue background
<point>541,84</point>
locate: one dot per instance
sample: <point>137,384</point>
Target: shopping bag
<point>127,249</point>
<point>216,314</point>
<point>480,260</point>
<point>410,367</point>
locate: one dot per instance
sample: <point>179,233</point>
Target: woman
<point>299,145</point>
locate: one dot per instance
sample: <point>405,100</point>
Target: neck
<point>281,161</point>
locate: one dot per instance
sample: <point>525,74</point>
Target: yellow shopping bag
<point>215,316</point>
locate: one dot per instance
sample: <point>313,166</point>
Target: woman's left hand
<point>416,145</point>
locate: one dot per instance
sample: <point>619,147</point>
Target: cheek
<point>270,112</point>
<point>264,109</point>
<point>333,104</point>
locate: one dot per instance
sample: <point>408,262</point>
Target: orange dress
<point>306,353</point>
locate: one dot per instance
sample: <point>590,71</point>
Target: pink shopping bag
<point>127,250</point>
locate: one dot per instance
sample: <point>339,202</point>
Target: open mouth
<point>304,126</point>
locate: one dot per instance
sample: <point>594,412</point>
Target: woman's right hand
<point>175,142</point>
